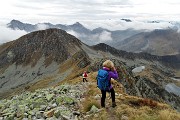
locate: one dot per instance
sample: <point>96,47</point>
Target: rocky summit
<point>40,78</point>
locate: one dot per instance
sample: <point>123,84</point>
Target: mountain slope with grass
<point>39,59</point>
<point>49,58</point>
<point>75,99</point>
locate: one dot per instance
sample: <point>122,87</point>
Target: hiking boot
<point>103,106</point>
<point>114,104</point>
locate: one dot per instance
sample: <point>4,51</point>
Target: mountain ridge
<point>90,37</point>
<point>174,60</point>
<point>157,42</point>
<point>63,57</point>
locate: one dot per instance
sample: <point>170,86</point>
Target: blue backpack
<point>102,80</point>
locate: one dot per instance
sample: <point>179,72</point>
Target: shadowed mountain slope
<point>52,43</point>
<point>168,60</point>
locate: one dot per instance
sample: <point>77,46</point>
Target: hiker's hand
<point>113,68</point>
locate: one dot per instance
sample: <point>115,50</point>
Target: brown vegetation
<point>130,107</point>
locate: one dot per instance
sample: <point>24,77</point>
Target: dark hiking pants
<point>84,80</point>
<point>104,96</point>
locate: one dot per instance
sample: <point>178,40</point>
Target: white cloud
<point>139,25</point>
<point>41,26</point>
<point>68,11</point>
<point>72,32</point>
<point>122,25</point>
<point>105,36</point>
<point>7,34</point>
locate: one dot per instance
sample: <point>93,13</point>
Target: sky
<point>90,13</point>
<point>87,11</point>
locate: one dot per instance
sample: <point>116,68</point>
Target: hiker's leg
<point>83,80</point>
<point>113,97</point>
<point>103,98</point>
<point>112,94</point>
<point>86,79</point>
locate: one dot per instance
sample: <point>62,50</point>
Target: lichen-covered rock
<point>93,109</point>
<point>37,103</point>
<point>50,103</point>
<point>68,100</point>
<point>49,97</point>
<point>39,114</point>
<point>43,107</point>
<point>57,113</point>
<point>59,100</point>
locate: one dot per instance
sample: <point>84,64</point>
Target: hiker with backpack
<point>84,75</point>
<point>104,81</point>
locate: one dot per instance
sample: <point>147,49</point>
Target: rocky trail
<point>77,100</point>
<point>61,102</point>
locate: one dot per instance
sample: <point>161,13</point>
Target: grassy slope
<point>131,107</point>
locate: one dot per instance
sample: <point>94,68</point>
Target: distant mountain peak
<point>154,21</point>
<point>15,22</point>
<point>77,24</point>
<point>12,21</point>
<point>127,20</point>
<point>79,28</point>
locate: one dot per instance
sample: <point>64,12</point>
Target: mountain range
<point>90,37</point>
<point>157,42</point>
<point>46,58</point>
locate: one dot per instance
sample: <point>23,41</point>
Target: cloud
<point>70,11</point>
<point>105,36</point>
<point>92,39</point>
<point>41,26</point>
<point>7,34</point>
<point>72,32</point>
<point>139,25</point>
<point>122,25</point>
